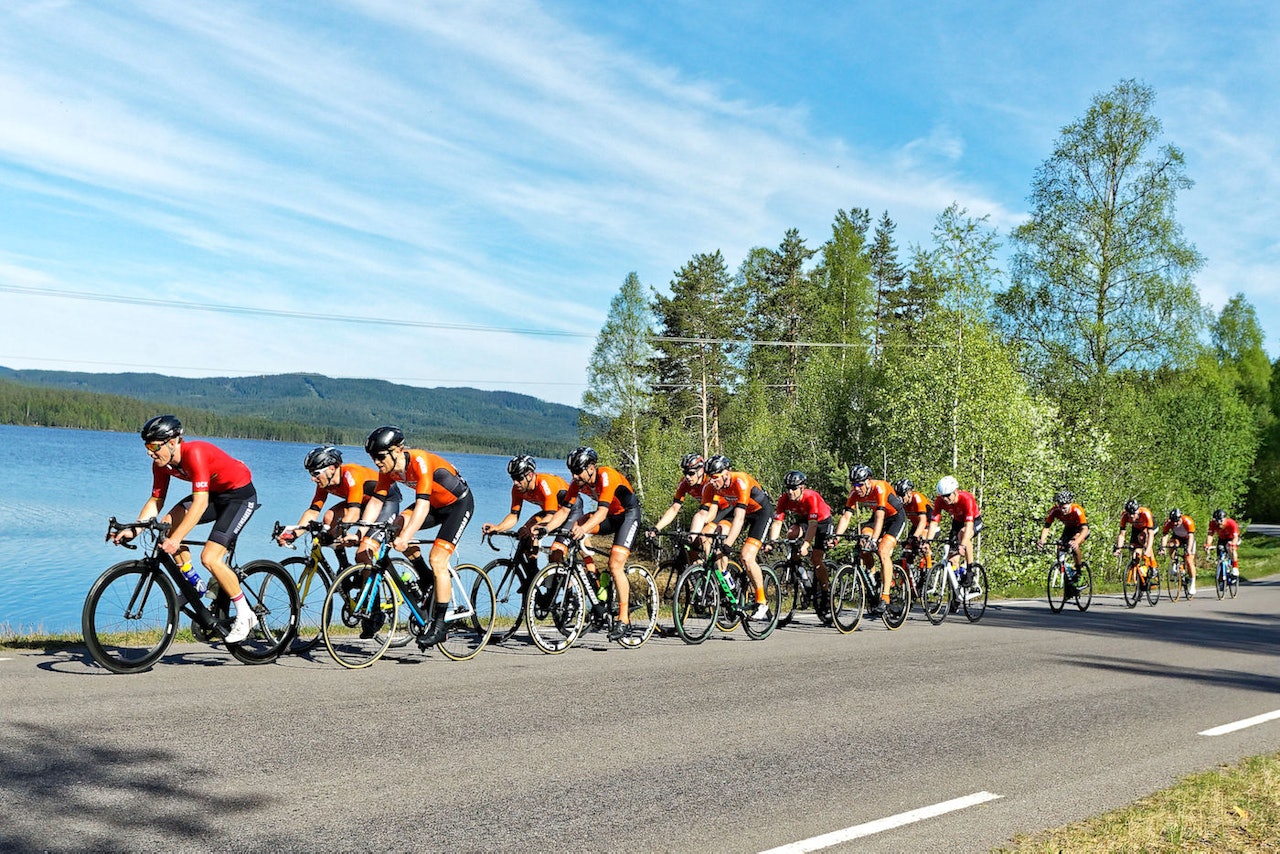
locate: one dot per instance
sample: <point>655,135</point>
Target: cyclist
<point>1142,533</point>
<point>1181,529</point>
<point>966,523</point>
<point>918,508</point>
<point>883,527</point>
<point>441,498</point>
<point>806,504</point>
<point>352,484</point>
<point>1228,531</point>
<point>617,512</point>
<point>1075,527</point>
<point>751,509</point>
<point>221,492</point>
<point>694,481</point>
<point>547,492</point>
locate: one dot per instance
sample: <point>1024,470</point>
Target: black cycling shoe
<point>369,625</point>
<point>619,631</point>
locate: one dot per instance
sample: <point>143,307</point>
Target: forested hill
<point>301,407</point>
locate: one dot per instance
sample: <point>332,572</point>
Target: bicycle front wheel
<point>1221,580</point>
<point>936,594</point>
<point>471,613</point>
<point>1056,587</point>
<point>848,598</point>
<point>368,596</point>
<point>1133,577</point>
<point>270,591</point>
<point>129,617</point>
<point>1153,587</point>
<point>1084,587</point>
<point>696,604</point>
<point>1174,588</point>
<point>555,609</point>
<point>761,629</point>
<point>642,606</point>
<point>508,598</point>
<point>975,593</point>
<point>313,583</point>
<point>1233,581</point>
<point>792,591</point>
<point>895,612</point>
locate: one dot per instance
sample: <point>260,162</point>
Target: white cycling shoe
<point>245,621</point>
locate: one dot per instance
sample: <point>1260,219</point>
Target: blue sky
<point>483,176</point>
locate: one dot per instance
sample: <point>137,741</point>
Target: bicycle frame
<point>159,560</point>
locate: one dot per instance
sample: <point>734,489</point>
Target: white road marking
<point>1247,722</point>
<point>858,831</point>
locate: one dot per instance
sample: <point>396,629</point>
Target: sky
<point>451,193</point>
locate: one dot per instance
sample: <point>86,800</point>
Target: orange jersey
<point>432,477</point>
<point>545,493</point>
<point>1181,529</point>
<point>741,490</point>
<point>916,506</point>
<point>1072,515</point>
<point>880,495</point>
<point>610,489</point>
<point>352,478</point>
<point>1141,520</point>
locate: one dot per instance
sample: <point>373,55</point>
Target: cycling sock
<point>420,563</point>
<point>589,562</point>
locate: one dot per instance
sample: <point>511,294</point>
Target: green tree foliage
<point>779,301</point>
<point>889,278</point>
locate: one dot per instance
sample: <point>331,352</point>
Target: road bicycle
<point>1178,580</point>
<point>131,613</point>
<point>313,577</point>
<point>564,601</point>
<point>853,587</point>
<point>372,607</point>
<point>798,586</point>
<point>1227,579</point>
<point>1064,582</point>
<point>944,593</point>
<point>510,577</point>
<point>1140,580</point>
<point>707,596</point>
<point>669,563</point>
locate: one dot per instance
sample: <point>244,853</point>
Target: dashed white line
<point>858,831</point>
<point>1247,722</point>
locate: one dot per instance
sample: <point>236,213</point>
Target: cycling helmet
<point>859,473</point>
<point>580,458</point>
<point>902,487</point>
<point>521,465</point>
<point>716,464</point>
<point>1175,515</point>
<point>1063,496</point>
<point>947,485</point>
<point>691,463</point>
<point>383,439</point>
<point>321,458</point>
<point>1219,515</point>
<point>793,479</point>
<point>162,428</point>
<point>1131,506</point>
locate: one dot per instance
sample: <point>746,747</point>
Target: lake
<point>59,487</point>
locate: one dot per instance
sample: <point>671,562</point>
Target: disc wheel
<point>129,617</point>
<point>696,604</point>
<point>555,609</point>
<point>848,598</point>
<point>470,617</point>
<point>1084,587</point>
<point>270,591</point>
<point>313,583</point>
<point>974,593</point>
<point>370,605</point>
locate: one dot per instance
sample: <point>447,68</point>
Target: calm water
<point>59,487</point>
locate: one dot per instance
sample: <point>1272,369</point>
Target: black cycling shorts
<point>1068,533</point>
<point>953,538</point>
<point>228,511</point>
<point>624,527</point>
<point>892,526</point>
<point>451,519</point>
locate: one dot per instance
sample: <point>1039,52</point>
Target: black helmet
<point>1219,514</point>
<point>902,487</point>
<point>383,439</point>
<point>715,465</point>
<point>1175,515</point>
<point>520,466</point>
<point>1131,506</point>
<point>1063,496</point>
<point>580,458</point>
<point>162,428</point>
<point>321,458</point>
<point>690,463</point>
<point>793,479</point>
<point>859,473</point>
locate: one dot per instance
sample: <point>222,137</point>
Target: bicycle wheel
<point>508,598</point>
<point>313,583</point>
<point>642,605</point>
<point>270,591</point>
<point>895,613</point>
<point>761,629</point>
<point>407,627</point>
<point>555,609</point>
<point>470,617</point>
<point>791,590</point>
<point>936,596</point>
<point>1132,584</point>
<point>129,617</point>
<point>1084,587</point>
<point>1176,584</point>
<point>975,593</point>
<point>1056,587</point>
<point>1233,581</point>
<point>728,618</point>
<point>370,608</point>
<point>1153,587</point>
<point>1221,579</point>
<point>848,598</point>
<point>696,604</point>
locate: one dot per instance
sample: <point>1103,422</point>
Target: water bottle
<point>195,579</point>
<point>604,587</point>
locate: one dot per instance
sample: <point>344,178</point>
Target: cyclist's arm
<point>877,522</point>
<point>668,515</point>
<point>700,519</point>
<point>775,528</point>
<point>507,523</point>
<point>844,521</point>
<point>587,523</point>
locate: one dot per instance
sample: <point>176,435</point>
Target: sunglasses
<point>381,455</point>
<point>692,471</point>
<point>155,446</point>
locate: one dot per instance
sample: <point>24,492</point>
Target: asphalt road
<point>730,746</point>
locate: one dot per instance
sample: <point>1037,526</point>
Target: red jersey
<point>961,504</point>
<point>1181,529</point>
<point>916,506</point>
<point>1072,515</point>
<point>610,489</point>
<point>545,493</point>
<point>880,495</point>
<point>742,490</point>
<point>206,466</point>
<point>352,478</point>
<point>1227,531</point>
<point>811,505</point>
<point>1141,521</point>
<point>432,477</point>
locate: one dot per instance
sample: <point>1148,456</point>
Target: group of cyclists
<point>730,504</point>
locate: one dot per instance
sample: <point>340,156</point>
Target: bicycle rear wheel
<point>270,591</point>
<point>1153,587</point>
<point>791,590</point>
<point>761,629</point>
<point>895,612</point>
<point>848,598</point>
<point>1132,584</point>
<point>642,605</point>
<point>508,598</point>
<point>975,593</point>
<point>471,614</point>
<point>696,604</point>
<point>936,594</point>
<point>370,604</point>
<point>1175,586</point>
<point>313,583</point>
<point>1084,587</point>
<point>1056,587</point>
<point>129,617</point>
<point>555,609</point>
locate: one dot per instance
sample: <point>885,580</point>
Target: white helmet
<point>947,485</point>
